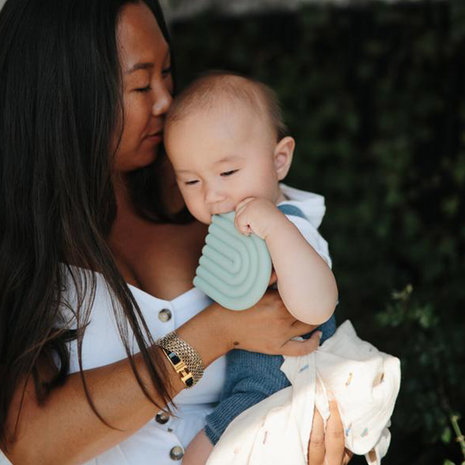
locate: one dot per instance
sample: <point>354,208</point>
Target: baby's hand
<point>258,216</point>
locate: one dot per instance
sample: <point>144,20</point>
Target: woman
<point>84,86</point>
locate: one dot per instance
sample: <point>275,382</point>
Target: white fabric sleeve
<point>312,236</point>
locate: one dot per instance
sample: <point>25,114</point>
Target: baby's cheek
<point>199,213</point>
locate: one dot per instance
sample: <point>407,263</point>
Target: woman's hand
<point>268,328</point>
<point>326,447</point>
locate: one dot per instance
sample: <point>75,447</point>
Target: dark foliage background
<point>375,96</point>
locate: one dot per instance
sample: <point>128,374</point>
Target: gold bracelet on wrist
<point>185,360</point>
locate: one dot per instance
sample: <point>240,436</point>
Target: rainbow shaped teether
<point>234,270</point>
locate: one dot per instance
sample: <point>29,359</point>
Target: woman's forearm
<point>65,430</point>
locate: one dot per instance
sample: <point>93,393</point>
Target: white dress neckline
<point>178,300</point>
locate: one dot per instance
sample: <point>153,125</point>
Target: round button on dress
<point>164,315</point>
<point>177,453</point>
<point>162,418</point>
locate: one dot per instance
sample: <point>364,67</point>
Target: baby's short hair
<point>203,93</point>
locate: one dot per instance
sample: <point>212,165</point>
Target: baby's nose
<point>214,195</point>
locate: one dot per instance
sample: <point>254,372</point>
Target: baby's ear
<point>283,156</point>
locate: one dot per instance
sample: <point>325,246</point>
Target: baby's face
<point>221,157</point>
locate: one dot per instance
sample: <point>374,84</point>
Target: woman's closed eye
<point>228,173</point>
<point>191,182</point>
<point>166,71</point>
<point>147,88</point>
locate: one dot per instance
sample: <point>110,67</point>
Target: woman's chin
<point>138,161</point>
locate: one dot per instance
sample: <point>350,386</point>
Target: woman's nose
<point>162,102</point>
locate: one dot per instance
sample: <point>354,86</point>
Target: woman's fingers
<point>334,437</point>
<point>316,445</point>
<point>298,348</point>
<point>273,278</point>
<point>299,328</point>
<point>347,456</point>
<point>268,328</point>
<point>326,446</point>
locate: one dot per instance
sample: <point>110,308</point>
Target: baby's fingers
<point>243,203</point>
<point>241,223</point>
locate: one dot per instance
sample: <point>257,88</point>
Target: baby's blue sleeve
<point>250,378</point>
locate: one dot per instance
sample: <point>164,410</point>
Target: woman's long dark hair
<point>60,100</point>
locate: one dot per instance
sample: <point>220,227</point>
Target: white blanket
<point>364,382</point>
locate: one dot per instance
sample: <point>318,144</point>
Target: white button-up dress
<point>163,439</point>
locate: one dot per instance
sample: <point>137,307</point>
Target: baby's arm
<point>198,450</point>
<point>305,282</point>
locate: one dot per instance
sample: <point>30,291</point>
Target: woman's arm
<point>305,282</point>
<point>65,430</point>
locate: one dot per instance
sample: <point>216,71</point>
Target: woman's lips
<point>156,137</point>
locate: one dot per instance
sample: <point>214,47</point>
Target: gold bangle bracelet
<point>185,360</point>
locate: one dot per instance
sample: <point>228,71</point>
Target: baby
<point>229,148</point>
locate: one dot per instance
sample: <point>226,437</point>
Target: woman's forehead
<point>141,43</point>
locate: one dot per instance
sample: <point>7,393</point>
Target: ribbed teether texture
<point>234,270</point>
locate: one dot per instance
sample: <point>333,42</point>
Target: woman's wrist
<point>207,333</point>
<point>183,358</point>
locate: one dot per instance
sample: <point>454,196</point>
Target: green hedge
<point>375,97</point>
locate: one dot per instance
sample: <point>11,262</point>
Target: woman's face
<point>147,87</point>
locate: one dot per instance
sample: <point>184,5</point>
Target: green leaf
<point>446,435</point>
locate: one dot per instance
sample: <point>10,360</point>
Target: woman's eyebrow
<point>147,64</point>
<point>138,66</point>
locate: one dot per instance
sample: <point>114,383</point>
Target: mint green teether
<point>234,270</point>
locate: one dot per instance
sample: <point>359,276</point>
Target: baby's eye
<point>228,173</point>
<point>190,183</point>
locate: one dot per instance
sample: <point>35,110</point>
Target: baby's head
<point>226,140</point>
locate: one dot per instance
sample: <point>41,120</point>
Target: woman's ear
<point>283,156</point>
